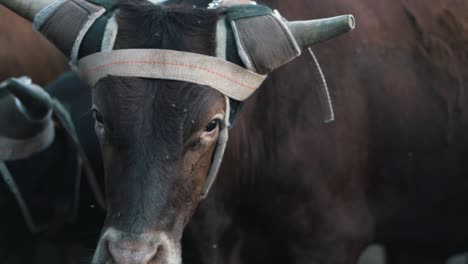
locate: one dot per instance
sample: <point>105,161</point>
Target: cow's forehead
<point>169,109</point>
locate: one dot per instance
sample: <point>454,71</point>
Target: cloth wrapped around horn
<point>26,125</point>
<point>250,36</point>
<point>252,41</point>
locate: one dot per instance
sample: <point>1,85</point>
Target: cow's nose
<point>132,251</point>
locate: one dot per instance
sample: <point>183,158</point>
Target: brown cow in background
<point>25,52</point>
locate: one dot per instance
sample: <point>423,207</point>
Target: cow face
<point>157,137</point>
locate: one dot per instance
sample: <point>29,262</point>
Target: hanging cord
<point>65,121</point>
<point>324,93</point>
<point>10,182</point>
<point>76,196</point>
<point>63,118</point>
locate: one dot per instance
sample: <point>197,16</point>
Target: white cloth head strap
<point>228,78</point>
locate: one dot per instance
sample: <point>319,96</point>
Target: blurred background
<point>25,52</point>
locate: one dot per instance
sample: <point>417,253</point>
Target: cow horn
<point>26,8</point>
<point>35,102</point>
<point>66,32</point>
<point>308,33</point>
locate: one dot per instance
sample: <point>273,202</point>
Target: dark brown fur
<point>392,168</point>
<point>295,190</point>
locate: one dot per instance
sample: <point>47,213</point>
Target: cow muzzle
<point>119,247</point>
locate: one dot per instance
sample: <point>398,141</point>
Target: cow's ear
<point>265,40</point>
<point>67,23</point>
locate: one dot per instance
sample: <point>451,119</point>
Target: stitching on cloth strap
<point>226,77</point>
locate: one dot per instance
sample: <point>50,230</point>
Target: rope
<point>64,119</point>
<point>327,105</point>
<point>6,175</point>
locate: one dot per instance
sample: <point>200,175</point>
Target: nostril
<point>132,252</point>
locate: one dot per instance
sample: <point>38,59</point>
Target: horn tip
<point>351,22</point>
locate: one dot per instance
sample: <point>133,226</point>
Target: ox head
<point>165,82</point>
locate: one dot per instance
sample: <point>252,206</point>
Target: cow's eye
<point>98,116</point>
<point>212,125</point>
